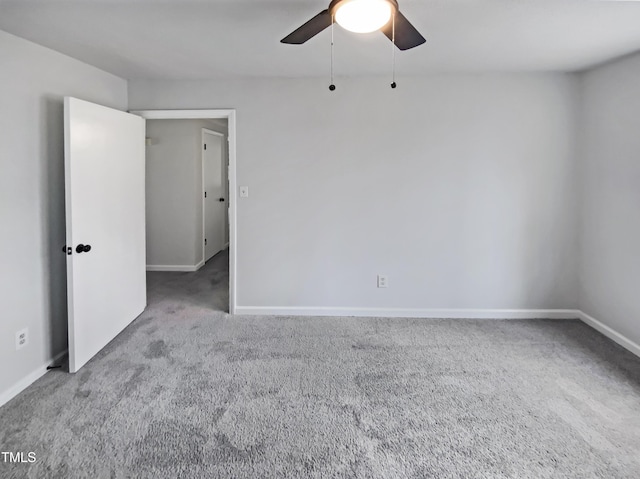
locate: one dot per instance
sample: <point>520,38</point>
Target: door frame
<point>213,114</point>
<point>204,232</point>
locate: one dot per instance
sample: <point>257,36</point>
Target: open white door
<point>215,205</point>
<point>105,215</point>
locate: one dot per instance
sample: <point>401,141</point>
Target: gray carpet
<point>186,391</point>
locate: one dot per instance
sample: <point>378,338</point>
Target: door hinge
<point>205,194</point>
<point>205,241</point>
<point>205,146</point>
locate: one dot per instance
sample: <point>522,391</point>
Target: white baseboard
<point>610,333</point>
<point>29,379</point>
<point>623,341</point>
<point>188,268</point>
<point>411,313</point>
<point>445,314</point>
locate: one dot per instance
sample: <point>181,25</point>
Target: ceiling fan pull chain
<point>332,86</point>
<point>393,50</point>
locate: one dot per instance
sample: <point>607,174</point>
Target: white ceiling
<point>186,39</point>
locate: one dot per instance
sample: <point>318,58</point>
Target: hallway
<point>202,291</point>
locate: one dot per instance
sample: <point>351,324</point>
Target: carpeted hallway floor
<point>188,391</point>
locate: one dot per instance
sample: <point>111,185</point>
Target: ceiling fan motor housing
<point>400,31</point>
<point>336,4</point>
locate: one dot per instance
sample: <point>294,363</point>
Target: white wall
<point>609,279</point>
<point>174,192</point>
<point>460,188</point>
<point>33,81</point>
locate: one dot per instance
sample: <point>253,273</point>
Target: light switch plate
<point>244,192</point>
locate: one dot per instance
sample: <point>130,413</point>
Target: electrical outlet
<point>22,338</point>
<point>383,281</point>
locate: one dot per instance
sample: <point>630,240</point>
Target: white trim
<point>610,333</point>
<point>446,314</point>
<point>233,218</point>
<point>230,115</point>
<point>202,195</point>
<point>211,132</point>
<point>184,114</point>
<point>175,267</point>
<point>29,379</point>
<point>412,313</point>
<point>623,341</point>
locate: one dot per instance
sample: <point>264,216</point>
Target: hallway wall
<point>174,193</point>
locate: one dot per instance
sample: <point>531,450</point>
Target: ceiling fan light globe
<point>363,16</point>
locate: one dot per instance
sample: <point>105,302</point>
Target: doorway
<point>214,188</point>
<point>227,206</point>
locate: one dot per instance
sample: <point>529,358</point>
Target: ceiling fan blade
<point>406,34</point>
<point>310,29</point>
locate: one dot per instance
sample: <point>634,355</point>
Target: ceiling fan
<point>361,16</point>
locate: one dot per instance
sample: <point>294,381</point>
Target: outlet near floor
<point>22,338</point>
<point>383,281</point>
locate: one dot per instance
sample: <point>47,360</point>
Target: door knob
<point>81,248</point>
<point>221,199</point>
